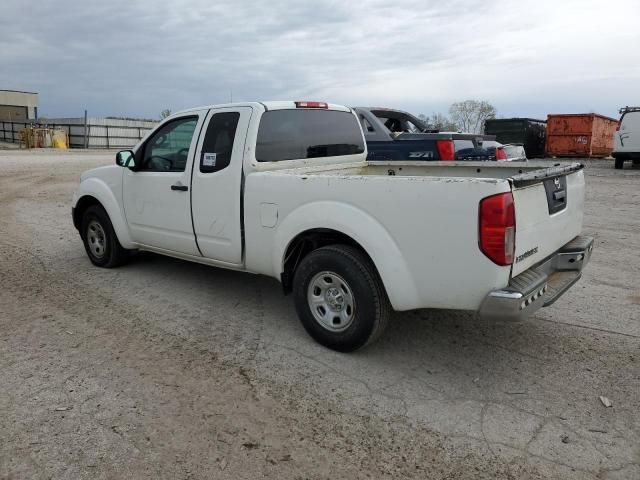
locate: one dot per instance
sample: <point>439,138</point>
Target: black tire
<point>619,163</point>
<point>636,162</point>
<point>100,240</point>
<point>371,307</point>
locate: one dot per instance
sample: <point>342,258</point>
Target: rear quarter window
<point>307,133</point>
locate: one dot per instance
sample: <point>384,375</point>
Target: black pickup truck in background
<point>397,135</point>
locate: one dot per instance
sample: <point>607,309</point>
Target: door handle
<point>182,188</point>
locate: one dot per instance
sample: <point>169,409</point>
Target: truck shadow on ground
<point>450,349</point>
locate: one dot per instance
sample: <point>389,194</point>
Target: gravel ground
<point>167,369</point>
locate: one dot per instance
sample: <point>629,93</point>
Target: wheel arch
<point>82,205</point>
<point>95,192</point>
<point>311,227</point>
<point>307,241</point>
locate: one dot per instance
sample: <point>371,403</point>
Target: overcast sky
<point>137,57</point>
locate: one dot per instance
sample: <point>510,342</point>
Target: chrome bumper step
<point>541,285</point>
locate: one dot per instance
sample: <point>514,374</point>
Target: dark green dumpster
<point>526,131</point>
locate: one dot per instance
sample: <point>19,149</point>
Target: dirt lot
<point>166,369</point>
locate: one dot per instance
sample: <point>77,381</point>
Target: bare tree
<point>439,121</point>
<point>470,115</point>
<point>165,113</point>
<point>443,123</point>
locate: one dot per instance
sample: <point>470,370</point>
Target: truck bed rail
<point>536,176</point>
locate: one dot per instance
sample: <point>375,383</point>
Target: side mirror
<point>126,158</point>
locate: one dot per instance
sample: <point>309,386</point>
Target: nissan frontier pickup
<point>284,189</point>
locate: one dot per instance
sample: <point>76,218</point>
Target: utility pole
<point>86,138</point>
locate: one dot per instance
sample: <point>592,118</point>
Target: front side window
<point>168,149</point>
<point>307,133</point>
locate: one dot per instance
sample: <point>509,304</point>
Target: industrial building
<point>16,106</point>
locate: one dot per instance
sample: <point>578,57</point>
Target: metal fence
<point>95,133</point>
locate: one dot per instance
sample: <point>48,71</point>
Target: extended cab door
<point>217,184</point>
<point>156,195</point>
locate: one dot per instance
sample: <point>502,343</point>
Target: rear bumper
<point>541,285</point>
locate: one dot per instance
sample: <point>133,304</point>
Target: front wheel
<point>619,163</point>
<point>100,240</point>
<point>340,298</point>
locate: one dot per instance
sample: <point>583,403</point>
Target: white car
<point>283,189</point>
<point>508,152</point>
<point>627,137</point>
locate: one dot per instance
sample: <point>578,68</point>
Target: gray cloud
<point>137,57</point>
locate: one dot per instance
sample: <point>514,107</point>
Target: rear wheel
<point>100,240</point>
<point>619,163</point>
<point>340,298</point>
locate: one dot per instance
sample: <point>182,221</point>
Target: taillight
<point>501,154</point>
<point>497,229</point>
<point>618,127</point>
<point>311,105</point>
<point>446,149</point>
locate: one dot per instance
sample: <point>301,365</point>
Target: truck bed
<point>425,213</point>
<point>540,229</point>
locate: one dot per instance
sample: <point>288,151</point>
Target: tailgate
<point>549,207</point>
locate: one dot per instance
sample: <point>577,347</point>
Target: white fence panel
<point>98,132</point>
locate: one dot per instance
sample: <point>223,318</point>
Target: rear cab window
<point>307,133</point>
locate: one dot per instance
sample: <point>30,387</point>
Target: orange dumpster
<point>580,135</point>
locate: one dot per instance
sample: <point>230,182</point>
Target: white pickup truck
<point>283,189</point>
